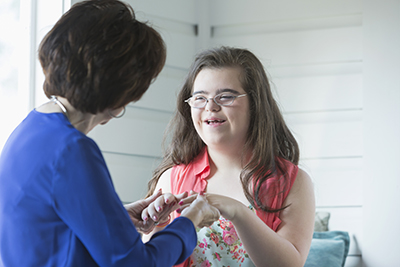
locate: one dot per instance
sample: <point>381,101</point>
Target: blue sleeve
<point>85,199</point>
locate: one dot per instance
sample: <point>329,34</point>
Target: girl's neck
<point>227,160</point>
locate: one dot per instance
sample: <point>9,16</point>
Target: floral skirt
<point>219,245</point>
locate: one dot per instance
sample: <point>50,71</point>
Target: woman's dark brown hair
<point>268,136</point>
<point>99,56</point>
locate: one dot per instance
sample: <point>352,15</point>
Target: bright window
<point>14,101</point>
<point>23,25</point>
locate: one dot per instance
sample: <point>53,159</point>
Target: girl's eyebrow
<point>219,91</point>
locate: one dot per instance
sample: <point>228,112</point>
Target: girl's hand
<point>159,210</point>
<point>197,209</point>
<point>227,206</point>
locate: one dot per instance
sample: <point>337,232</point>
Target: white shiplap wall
<point>312,51</point>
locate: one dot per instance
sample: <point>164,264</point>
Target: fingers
<point>160,208</point>
<point>151,198</point>
<point>181,196</point>
<point>186,202</point>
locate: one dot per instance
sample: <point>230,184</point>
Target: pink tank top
<point>194,177</point>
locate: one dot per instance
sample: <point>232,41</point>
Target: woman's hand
<point>135,210</point>
<point>199,211</point>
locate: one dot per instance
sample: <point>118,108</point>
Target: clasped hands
<point>155,210</point>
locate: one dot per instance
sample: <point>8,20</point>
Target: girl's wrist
<point>165,223</point>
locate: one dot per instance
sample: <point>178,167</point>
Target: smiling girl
<point>229,140</point>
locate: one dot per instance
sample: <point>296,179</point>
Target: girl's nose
<point>212,106</point>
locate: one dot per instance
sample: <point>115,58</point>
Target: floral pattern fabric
<point>219,245</point>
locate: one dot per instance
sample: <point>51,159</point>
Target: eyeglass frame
<point>213,98</point>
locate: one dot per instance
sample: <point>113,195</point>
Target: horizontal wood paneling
<point>176,22</point>
<point>317,69</point>
<point>138,132</point>
<point>227,12</point>
<point>319,93</point>
<point>178,55</point>
<point>162,93</point>
<point>337,182</point>
<point>180,39</point>
<point>327,134</point>
<point>130,174</point>
<point>301,47</point>
<point>176,10</point>
<point>287,25</point>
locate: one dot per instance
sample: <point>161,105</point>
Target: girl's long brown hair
<point>268,136</point>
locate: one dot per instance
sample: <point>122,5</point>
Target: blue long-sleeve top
<point>58,206</point>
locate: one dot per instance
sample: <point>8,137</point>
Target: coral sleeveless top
<point>219,245</point>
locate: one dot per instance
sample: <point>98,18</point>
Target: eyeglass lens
<point>221,99</point>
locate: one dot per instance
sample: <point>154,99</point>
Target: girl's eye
<point>199,98</point>
<point>226,97</point>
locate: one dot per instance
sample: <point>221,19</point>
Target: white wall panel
<point>177,10</point>
<point>319,93</point>
<point>180,39</point>
<point>162,93</point>
<point>301,47</point>
<point>337,182</point>
<point>180,49</point>
<point>327,134</point>
<point>130,174</point>
<point>292,25</point>
<point>138,132</point>
<point>381,132</point>
<point>319,69</point>
<point>225,12</point>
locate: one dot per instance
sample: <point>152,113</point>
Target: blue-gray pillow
<point>328,249</point>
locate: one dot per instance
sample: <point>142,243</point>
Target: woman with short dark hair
<point>58,206</point>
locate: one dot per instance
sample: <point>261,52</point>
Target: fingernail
<point>155,218</point>
<point>178,210</point>
<point>166,201</point>
<point>181,202</point>
<point>158,191</point>
<point>158,208</point>
<point>145,219</point>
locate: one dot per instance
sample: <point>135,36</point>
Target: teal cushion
<point>328,249</point>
